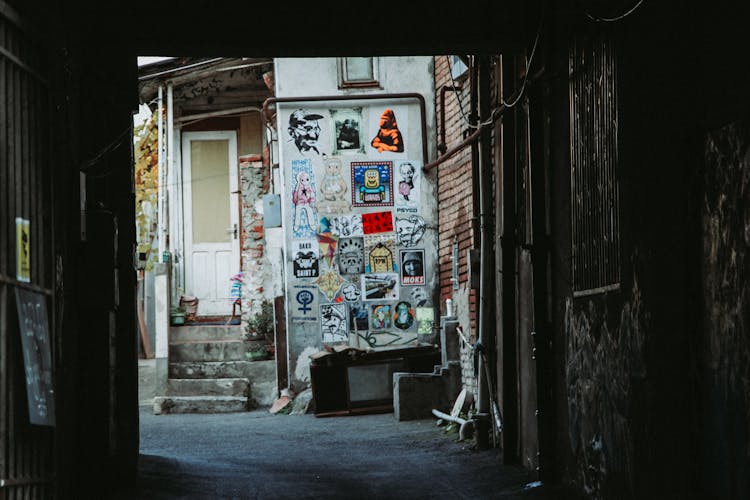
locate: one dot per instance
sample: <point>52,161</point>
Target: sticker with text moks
<point>372,183</point>
<point>412,267</point>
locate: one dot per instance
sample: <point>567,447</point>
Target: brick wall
<point>257,271</point>
<point>456,209</point>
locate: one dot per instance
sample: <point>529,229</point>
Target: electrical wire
<point>504,103</point>
<point>600,19</point>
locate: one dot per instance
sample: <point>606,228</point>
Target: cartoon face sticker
<point>372,179</point>
<point>351,292</point>
<point>304,130</point>
<point>403,318</point>
<point>409,231</point>
<point>351,257</point>
<point>380,317</point>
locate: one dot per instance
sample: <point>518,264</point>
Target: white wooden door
<point>211,215</point>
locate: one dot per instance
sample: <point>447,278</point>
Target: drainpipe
<point>170,194</point>
<point>487,320</point>
<point>160,163</point>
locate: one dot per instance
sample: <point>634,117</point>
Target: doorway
<point>211,218</point>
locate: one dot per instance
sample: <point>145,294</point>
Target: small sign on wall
<point>23,250</point>
<point>34,329</point>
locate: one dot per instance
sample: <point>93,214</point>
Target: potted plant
<point>177,316</point>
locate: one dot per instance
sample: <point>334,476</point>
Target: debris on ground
<point>284,400</point>
<point>302,402</point>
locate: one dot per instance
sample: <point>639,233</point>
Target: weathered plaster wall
<point>310,299</point>
<point>726,293</point>
<point>258,275</point>
<point>602,359</point>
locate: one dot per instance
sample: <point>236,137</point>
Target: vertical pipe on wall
<point>160,163</point>
<point>508,271</point>
<point>487,268</point>
<point>169,194</point>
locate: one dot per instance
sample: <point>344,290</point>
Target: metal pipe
<point>213,114</point>
<point>445,88</point>
<point>354,97</point>
<point>160,163</point>
<point>487,320</point>
<point>171,184</point>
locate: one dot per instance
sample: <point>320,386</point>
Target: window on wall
<point>594,167</point>
<point>358,72</point>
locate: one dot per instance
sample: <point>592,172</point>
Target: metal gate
<point>26,450</point>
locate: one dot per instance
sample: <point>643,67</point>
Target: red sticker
<point>379,222</point>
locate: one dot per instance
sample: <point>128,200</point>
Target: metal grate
<point>26,451</point>
<point>593,167</point>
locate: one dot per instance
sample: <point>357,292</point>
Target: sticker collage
<point>356,238</point>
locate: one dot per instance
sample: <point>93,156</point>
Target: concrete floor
<point>263,456</point>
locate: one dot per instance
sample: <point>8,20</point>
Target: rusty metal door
<point>26,243</point>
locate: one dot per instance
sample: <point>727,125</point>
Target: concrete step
<point>199,404</point>
<point>205,332</point>
<point>255,371</point>
<point>208,387</point>
<point>262,393</point>
<point>208,350</point>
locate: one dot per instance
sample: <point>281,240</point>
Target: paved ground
<point>263,456</point>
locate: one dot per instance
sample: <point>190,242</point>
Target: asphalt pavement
<point>256,455</point>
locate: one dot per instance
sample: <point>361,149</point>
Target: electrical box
<point>271,210</point>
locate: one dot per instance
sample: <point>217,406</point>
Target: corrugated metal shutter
<point>594,163</point>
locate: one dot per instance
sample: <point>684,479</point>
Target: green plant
<point>262,323</point>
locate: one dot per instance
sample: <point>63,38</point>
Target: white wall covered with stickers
<point>359,214</point>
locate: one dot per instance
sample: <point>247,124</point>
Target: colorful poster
<point>372,183</point>
<point>334,187</point>
<point>403,316</point>
<point>333,322</point>
<point>351,256</point>
<point>380,286</point>
<point>412,267</point>
<point>329,283</point>
<point>388,138</point>
<point>346,225</point>
<point>380,253</point>
<point>409,230</point>
<point>304,129</point>
<point>358,317</point>
<point>378,222</point>
<point>304,303</point>
<point>380,317</point>
<point>304,213</point>
<point>305,258</point>
<point>408,184</point>
<point>348,136</point>
<point>425,316</point>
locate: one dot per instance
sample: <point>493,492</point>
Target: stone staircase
<point>210,372</point>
